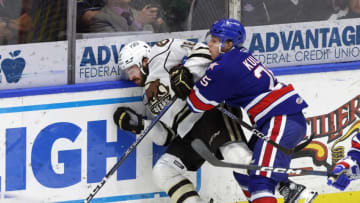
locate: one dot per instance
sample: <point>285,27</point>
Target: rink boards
<point>57,143</point>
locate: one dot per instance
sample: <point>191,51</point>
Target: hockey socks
<point>243,181</point>
<point>265,200</point>
<point>261,197</point>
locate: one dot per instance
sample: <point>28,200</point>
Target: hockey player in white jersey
<point>178,127</point>
<point>149,67</point>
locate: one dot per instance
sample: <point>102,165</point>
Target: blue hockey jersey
<point>239,79</point>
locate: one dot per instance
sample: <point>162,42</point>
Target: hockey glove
<point>127,119</point>
<point>181,81</point>
<point>343,173</point>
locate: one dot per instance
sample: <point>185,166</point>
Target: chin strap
<point>144,69</point>
<point>220,47</point>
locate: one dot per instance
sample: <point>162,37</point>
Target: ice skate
<point>293,193</point>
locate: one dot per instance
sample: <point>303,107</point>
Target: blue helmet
<point>229,29</point>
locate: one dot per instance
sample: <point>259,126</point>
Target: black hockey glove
<point>181,81</point>
<point>127,119</point>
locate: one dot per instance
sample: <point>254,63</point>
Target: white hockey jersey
<point>163,56</point>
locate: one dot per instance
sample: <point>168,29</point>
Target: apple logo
<point>13,67</point>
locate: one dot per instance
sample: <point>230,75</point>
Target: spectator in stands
<point>182,15</point>
<point>265,12</point>
<point>355,6</point>
<point>322,10</point>
<point>86,10</point>
<point>118,16</point>
<point>205,13</point>
<point>253,12</point>
<point>330,9</point>
<point>50,20</point>
<point>354,9</point>
<point>15,21</point>
<point>176,13</point>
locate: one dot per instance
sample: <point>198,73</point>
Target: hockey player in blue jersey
<point>238,79</point>
<point>149,68</point>
<point>347,169</point>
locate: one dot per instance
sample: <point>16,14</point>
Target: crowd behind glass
<point>31,21</point>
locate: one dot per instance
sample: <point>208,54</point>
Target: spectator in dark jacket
<point>120,16</point>
<point>353,9</point>
<point>86,10</point>
<point>50,20</point>
<point>264,12</point>
<point>15,21</point>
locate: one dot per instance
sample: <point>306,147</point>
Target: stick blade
<point>201,148</point>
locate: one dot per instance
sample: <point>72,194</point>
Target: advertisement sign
<point>275,46</point>
<point>53,145</point>
<point>305,43</point>
<point>97,59</point>
<point>31,65</point>
<point>333,118</point>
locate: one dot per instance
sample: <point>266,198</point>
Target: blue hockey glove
<point>343,173</point>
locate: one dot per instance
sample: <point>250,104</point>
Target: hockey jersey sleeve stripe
<point>197,103</point>
<point>192,107</point>
<point>345,164</point>
<point>355,145</point>
<point>268,102</point>
<point>203,99</point>
<point>255,101</point>
<point>260,115</point>
<point>261,96</point>
<point>354,150</point>
<point>356,138</point>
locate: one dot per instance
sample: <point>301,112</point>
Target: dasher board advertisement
<point>97,59</point>
<point>275,46</point>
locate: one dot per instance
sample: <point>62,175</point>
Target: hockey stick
<point>200,147</point>
<point>130,149</point>
<point>262,136</point>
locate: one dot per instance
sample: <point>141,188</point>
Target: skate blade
<point>309,198</point>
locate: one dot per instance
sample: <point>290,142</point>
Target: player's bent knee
<point>168,174</point>
<point>167,171</point>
